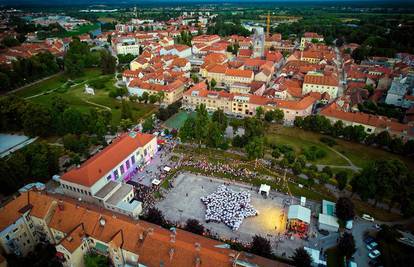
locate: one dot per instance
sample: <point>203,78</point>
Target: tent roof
<point>299,212</point>
<point>328,220</point>
<point>265,188</point>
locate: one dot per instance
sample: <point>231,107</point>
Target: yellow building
<point>320,83</point>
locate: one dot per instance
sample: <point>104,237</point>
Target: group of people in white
<point>228,206</point>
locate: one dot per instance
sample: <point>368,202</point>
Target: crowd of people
<point>219,168</point>
<point>228,206</point>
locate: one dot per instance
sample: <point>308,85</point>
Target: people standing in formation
<point>228,206</point>
<point>219,168</point>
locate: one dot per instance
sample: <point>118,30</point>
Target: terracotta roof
<point>321,80</point>
<point>366,119</point>
<point>103,162</point>
<point>239,73</point>
<point>151,242</point>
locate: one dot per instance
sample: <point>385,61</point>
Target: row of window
<point>75,189</point>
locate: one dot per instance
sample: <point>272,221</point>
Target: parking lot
<point>183,202</point>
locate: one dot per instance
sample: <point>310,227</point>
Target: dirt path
<point>98,105</point>
<point>33,83</point>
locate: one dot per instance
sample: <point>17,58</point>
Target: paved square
<point>183,202</point>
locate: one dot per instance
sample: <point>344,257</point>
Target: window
<point>133,159</point>
<point>122,169</point>
<point>127,164</point>
<point>108,178</point>
<point>116,174</point>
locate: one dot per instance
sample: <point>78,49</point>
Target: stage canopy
<point>298,212</point>
<point>156,182</point>
<point>167,169</point>
<point>265,189</point>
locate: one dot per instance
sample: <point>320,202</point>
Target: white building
<point>127,48</point>
<point>101,179</point>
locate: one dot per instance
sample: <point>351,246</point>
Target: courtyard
<point>183,202</point>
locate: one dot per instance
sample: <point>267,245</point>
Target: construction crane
<point>268,25</point>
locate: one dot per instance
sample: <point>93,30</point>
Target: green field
<point>359,154</point>
<point>300,141</point>
<point>76,97</point>
<point>81,30</point>
<point>177,120</point>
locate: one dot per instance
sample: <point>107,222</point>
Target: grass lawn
<point>77,98</point>
<point>300,140</point>
<point>81,30</point>
<point>55,82</point>
<point>359,154</point>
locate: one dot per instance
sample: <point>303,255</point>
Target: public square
<point>183,202</point>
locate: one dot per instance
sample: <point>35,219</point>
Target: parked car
<point>372,245</point>
<point>377,226</point>
<point>368,217</point>
<point>368,239</point>
<point>374,254</point>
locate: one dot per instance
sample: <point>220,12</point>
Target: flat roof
<point>328,220</point>
<point>104,191</point>
<point>328,207</point>
<point>300,213</point>
<point>12,142</point>
<point>120,194</point>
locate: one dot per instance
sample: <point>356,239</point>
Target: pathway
<point>98,105</point>
<point>351,165</point>
<point>33,83</point>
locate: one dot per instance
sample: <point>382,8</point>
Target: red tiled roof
<point>239,73</point>
<point>103,162</point>
<point>321,80</point>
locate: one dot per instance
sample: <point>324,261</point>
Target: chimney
<point>197,246</point>
<point>171,253</point>
<point>61,205</point>
<point>197,261</point>
<point>172,238</point>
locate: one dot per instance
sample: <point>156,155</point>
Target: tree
<point>342,179</point>
<point>297,168</point>
<point>344,209</point>
<point>220,118</point>
<point>36,120</point>
<point>201,123</point>
<point>301,258</point>
<point>261,246</point>
<point>346,245</point>
<point>187,131</point>
<point>153,99</point>
<point>73,121</point>
<point>255,148</point>
<point>259,112</point>
<point>108,63</point>
<point>148,124</point>
<point>274,115</point>
<point>96,260</point>
<point>145,96</point>
<point>194,226</point>
<point>126,112</point>
<point>215,136</point>
<point>213,83</point>
<point>328,171</point>
<point>125,124</point>
<point>156,216</point>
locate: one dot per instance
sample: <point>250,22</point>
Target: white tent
<point>156,182</point>
<point>328,223</point>
<point>264,188</point>
<point>299,212</point>
<point>167,169</point>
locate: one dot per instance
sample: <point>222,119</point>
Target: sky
<point>137,2</point>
